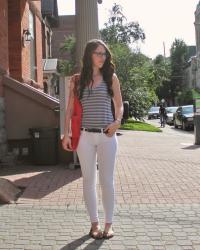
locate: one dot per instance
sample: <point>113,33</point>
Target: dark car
<point>170,115</point>
<point>184,117</point>
<point>153,113</point>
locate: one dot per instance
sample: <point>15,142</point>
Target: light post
<point>163,101</point>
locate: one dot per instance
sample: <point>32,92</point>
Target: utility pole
<point>164,53</point>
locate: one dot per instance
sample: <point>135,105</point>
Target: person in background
<point>162,112</point>
<point>98,85</point>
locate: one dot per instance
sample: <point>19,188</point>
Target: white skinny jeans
<point>92,148</point>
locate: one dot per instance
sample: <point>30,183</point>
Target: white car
<point>170,115</point>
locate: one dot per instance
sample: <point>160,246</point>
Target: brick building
<point>25,39</point>
<point>192,70</point>
<point>22,101</point>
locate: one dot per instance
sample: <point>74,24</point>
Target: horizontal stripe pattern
<point>96,103</point>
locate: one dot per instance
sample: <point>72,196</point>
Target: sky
<point>161,20</point>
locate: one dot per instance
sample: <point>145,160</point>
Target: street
<point>169,129</point>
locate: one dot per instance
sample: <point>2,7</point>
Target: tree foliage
<point>178,58</point>
<point>117,30</point>
<point>135,70</point>
<point>144,81</point>
<point>66,67</point>
<point>137,79</point>
<point>162,72</point>
<point>186,97</point>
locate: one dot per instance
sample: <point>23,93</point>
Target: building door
<point>32,46</point>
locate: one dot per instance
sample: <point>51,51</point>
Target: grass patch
<point>139,126</point>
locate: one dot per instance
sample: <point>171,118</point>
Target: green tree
<point>186,97</point>
<point>142,82</point>
<point>117,30</point>
<point>66,67</point>
<point>135,70</point>
<point>135,73</point>
<point>178,58</point>
<point>162,72</point>
<point>123,60</point>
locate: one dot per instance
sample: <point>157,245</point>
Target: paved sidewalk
<point>157,199</point>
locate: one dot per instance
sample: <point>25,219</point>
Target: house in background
<point>49,10</point>
<point>190,73</point>
<point>190,68</point>
<point>50,63</point>
<point>197,32</point>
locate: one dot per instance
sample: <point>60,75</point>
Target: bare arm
<point>66,141</point>
<point>117,99</point>
<point>118,104</point>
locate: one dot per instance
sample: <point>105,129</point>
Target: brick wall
<point>38,42</point>
<point>19,59</point>
<point>3,39</point>
<point>14,39</point>
<point>66,27</point>
<point>4,34</point>
<point>38,28</point>
<point>24,8</point>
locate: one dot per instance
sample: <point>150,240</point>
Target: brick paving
<point>157,199</point>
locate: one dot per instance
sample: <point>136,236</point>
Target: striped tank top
<point>96,105</point>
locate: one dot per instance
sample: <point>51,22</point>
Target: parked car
<point>170,115</point>
<point>184,117</point>
<point>153,113</point>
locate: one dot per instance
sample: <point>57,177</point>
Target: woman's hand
<point>112,128</point>
<point>66,143</point>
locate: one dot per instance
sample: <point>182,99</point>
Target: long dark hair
<point>86,76</point>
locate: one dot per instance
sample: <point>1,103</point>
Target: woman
<point>98,85</point>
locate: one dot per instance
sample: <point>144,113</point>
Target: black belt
<point>94,130</point>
